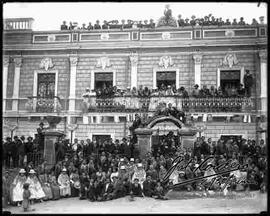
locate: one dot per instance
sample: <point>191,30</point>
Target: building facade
<point>47,72</point>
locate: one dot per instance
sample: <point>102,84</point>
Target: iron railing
<point>43,104</point>
<point>133,103</point>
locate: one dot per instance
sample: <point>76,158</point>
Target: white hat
<point>32,171</point>
<point>140,165</point>
<point>196,165</point>
<point>22,171</point>
<point>122,159</point>
<point>64,170</point>
<point>122,167</point>
<point>131,159</point>
<point>181,172</point>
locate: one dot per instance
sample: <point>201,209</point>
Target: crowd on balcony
<point>101,171</point>
<point>208,20</point>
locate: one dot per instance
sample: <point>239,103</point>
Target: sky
<point>49,16</point>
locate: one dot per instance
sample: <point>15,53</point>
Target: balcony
<point>43,105</point>
<point>18,24</point>
<point>137,104</point>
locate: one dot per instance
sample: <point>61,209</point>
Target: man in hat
<point>195,92</point>
<point>64,183</point>
<point>64,26</point>
<point>248,82</point>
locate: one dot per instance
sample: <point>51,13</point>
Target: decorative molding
<point>230,59</point>
<point>197,58</point>
<point>134,57</point>
<point>165,61</point>
<point>46,63</point>
<point>104,36</point>
<point>73,60</point>
<point>229,33</point>
<point>18,62</point>
<point>166,35</point>
<point>263,55</point>
<point>103,62</point>
<point>6,61</point>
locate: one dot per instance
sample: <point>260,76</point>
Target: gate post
<point>144,140</point>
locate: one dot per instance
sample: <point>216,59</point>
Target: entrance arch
<point>152,122</point>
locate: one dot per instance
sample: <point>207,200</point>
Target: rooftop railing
<point>132,104</point>
<point>18,24</point>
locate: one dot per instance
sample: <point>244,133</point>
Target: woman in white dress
<point>140,174</point>
<point>17,187</point>
<point>64,183</point>
<point>35,187</point>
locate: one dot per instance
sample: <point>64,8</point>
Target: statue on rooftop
<point>167,19</point>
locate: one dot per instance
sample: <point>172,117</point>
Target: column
<point>16,87</point>
<point>72,87</point>
<point>116,119</point>
<point>134,62</point>
<point>263,73</point>
<point>197,61</point>
<point>5,76</point>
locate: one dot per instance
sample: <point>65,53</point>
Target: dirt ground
<point>251,204</point>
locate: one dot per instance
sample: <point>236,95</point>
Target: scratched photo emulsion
<point>117,107</point>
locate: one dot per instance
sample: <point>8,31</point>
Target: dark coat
<point>148,188</point>
<point>137,191</point>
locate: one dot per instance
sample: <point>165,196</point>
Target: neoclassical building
<point>47,72</point>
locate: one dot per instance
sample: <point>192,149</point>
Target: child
<point>26,197</point>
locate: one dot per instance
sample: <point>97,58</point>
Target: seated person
<point>97,25</point>
<point>148,187</point>
<point>64,26</point>
<point>136,189</point>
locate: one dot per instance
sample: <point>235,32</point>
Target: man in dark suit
<point>97,25</point>
<point>64,26</point>
<point>148,186</point>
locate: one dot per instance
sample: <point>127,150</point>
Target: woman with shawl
<point>64,184</point>
<point>44,180</point>
<point>17,187</point>
<point>54,186</point>
<point>35,187</point>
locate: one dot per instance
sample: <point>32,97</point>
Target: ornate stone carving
<point>6,61</point>
<point>229,33</point>
<point>263,55</point>
<point>165,61</point>
<point>18,62</point>
<point>166,35</point>
<point>73,60</point>
<point>46,63</point>
<point>103,62</point>
<point>197,58</point>
<point>51,38</point>
<point>134,58</point>
<point>104,36</point>
<point>230,59</point>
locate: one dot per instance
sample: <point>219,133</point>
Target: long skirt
<point>48,192</point>
<point>17,193</point>
<point>65,190</point>
<point>55,191</point>
<point>36,191</point>
<point>74,192</point>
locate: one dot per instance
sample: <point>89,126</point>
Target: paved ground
<point>251,204</point>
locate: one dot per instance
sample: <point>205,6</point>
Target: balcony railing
<point>132,104</point>
<point>18,24</point>
<point>43,104</point>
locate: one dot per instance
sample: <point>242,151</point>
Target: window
<point>229,79</point>
<point>103,79</point>
<point>46,85</point>
<point>166,78</point>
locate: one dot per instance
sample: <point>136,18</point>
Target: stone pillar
<point>16,86</point>
<point>72,86</point>
<point>134,62</point>
<point>263,73</point>
<point>197,61</point>
<point>144,140</point>
<point>5,77</point>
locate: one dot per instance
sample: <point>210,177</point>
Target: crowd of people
<point>110,170</point>
<point>208,20</point>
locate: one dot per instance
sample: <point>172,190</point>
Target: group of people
<point>115,24</point>
<point>110,170</point>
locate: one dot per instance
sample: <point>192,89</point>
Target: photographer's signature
<point>218,177</point>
